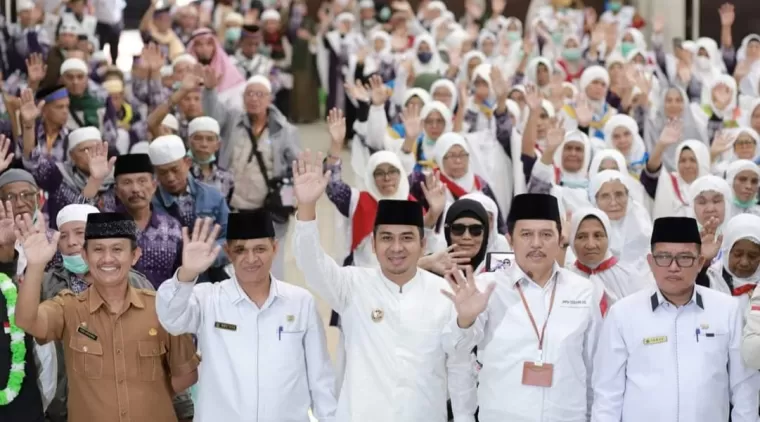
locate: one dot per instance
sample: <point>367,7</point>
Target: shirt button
<point>121,381</point>
<point>124,412</point>
<point>118,351</point>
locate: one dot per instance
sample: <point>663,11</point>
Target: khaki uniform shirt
<point>119,365</point>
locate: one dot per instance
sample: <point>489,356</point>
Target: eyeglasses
<point>607,198</point>
<point>23,197</point>
<point>460,156</point>
<point>475,230</point>
<point>683,261</point>
<point>435,122</point>
<point>256,94</point>
<point>390,174</point>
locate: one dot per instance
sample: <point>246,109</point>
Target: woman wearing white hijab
<point>719,109</point>
<point>594,85</point>
<point>710,198</point>
<point>622,133</point>
<point>480,106</point>
<point>751,115</point>
<point>470,61</point>
<point>738,270</point>
<point>563,170</point>
<point>445,91</point>
<point>612,159</point>
<point>670,190</point>
<point>742,144</point>
<point>436,120</point>
<point>426,57</point>
<point>630,225</point>
<point>743,176</point>
<point>589,241</point>
<point>538,72</point>
<point>497,242</point>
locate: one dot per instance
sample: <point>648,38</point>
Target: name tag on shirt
<point>655,340</point>
<point>87,333</point>
<point>574,304</point>
<point>225,326</point>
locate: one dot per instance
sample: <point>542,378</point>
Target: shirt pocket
<point>150,357</point>
<point>714,346</point>
<point>290,345</point>
<point>87,357</point>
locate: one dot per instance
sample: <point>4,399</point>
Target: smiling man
<point>679,358</point>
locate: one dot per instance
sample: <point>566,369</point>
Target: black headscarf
<point>462,208</point>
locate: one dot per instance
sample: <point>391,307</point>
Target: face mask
<point>514,36</point>
<point>745,204</point>
<point>703,62</point>
<point>572,54</point>
<point>557,37</point>
<point>615,6</point>
<point>75,264</point>
<point>368,22</point>
<point>233,34</point>
<point>425,57</point>
<point>575,184</point>
<point>209,160</point>
<point>626,48</point>
<point>265,50</point>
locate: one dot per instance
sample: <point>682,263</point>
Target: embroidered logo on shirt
<point>87,333</point>
<point>290,318</point>
<point>225,326</point>
<point>655,340</point>
<point>377,315</point>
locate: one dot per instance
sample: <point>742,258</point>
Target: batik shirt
<point>219,178</point>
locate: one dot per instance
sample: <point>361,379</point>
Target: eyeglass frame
<point>672,258</point>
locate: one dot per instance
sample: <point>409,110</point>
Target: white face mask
<point>703,62</point>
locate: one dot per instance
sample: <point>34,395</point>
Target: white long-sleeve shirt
<point>656,362</point>
<point>259,365</point>
<point>506,340</point>
<point>397,366</point>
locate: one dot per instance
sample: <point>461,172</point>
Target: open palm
<point>469,302</point>
<point>200,249</point>
<point>7,224</point>
<point>100,165</point>
<point>309,182</point>
<point>38,249</point>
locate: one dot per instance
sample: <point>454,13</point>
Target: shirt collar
<point>153,222</point>
<point>96,301</point>
<point>657,299</point>
<point>168,199</point>
<point>237,295</point>
<point>517,275</point>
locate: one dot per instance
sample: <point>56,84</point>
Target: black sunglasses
<point>459,229</point>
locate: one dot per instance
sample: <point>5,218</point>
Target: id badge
<point>287,196</point>
<point>538,374</point>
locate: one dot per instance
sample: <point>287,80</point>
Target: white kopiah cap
<point>171,122</point>
<point>70,65</point>
<point>74,212</point>
<point>184,58</point>
<point>167,71</point>
<point>166,149</point>
<point>203,124</point>
<point>142,147</point>
<point>24,5</point>
<point>270,14</point>
<point>260,79</point>
<point>83,134</point>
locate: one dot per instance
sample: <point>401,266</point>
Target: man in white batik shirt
<point>535,324</point>
<point>672,353</point>
<point>397,366</point>
<point>263,343</point>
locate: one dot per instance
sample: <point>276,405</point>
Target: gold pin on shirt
<point>152,332</point>
<point>290,318</point>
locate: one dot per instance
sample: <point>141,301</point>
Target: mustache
<point>538,254</point>
<point>136,196</point>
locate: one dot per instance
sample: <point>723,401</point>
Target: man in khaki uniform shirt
<point>121,364</point>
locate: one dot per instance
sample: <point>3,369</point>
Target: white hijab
<point>637,189</point>
<point>635,158</point>
<point>442,147</point>
<point>733,170</point>
<point>672,197</point>
<point>723,79</point>
<point>449,86</point>
<point>574,188</point>
<point>497,242</point>
<point>436,64</point>
<point>744,226</point>
<point>715,184</point>
<point>629,236</point>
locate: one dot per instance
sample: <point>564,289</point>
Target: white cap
<point>184,58</point>
<point>113,86</point>
<point>345,17</point>
<point>68,27</point>
<point>83,134</point>
<point>166,71</point>
<point>24,5</point>
<point>99,56</point>
<point>171,122</point>
<point>74,212</point>
<point>366,4</point>
<point>270,14</point>
<point>260,79</point>
<point>166,149</point>
<point>74,64</point>
<point>203,124</point>
<point>142,147</point>
<point>233,18</point>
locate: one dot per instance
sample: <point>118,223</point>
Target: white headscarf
<point>435,65</point>
<point>637,189</point>
<point>743,226</point>
<point>730,82</point>
<point>445,113</point>
<point>591,74</point>
<point>531,70</point>
<point>670,201</point>
<point>574,188</point>
<point>636,157</point>
<point>629,236</point>
<point>732,171</point>
<point>715,184</point>
<point>442,147</point>
<point>465,64</point>
<point>449,86</point>
<point>385,157</point>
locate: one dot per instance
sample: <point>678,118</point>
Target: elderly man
<point>83,178</point>
<point>187,101</point>
<point>121,364</point>
<point>179,194</point>
<point>277,145</point>
<point>44,123</point>
<point>86,109</point>
<point>204,143</point>
<point>160,235</point>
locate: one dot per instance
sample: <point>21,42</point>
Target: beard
<point>204,60</point>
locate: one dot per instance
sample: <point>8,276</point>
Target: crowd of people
<point>565,194</point>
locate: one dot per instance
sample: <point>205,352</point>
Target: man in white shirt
<point>264,351</point>
<point>397,366</point>
<point>673,353</point>
<point>535,324</point>
<point>110,16</point>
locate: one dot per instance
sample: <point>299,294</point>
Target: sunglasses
<point>475,230</point>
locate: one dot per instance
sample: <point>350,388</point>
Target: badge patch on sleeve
<point>655,340</point>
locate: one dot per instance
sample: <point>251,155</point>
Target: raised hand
<point>711,242</point>
<point>583,112</point>
<point>29,110</point>
<point>210,78</point>
<point>100,165</point>
<point>533,98</point>
<point>555,135</point>
<point>336,123</point>
<point>499,84</point>
<point>5,158</point>
<point>38,249</point>
<point>684,72</point>
<point>722,95</point>
<point>727,14</point>
<point>435,193</point>
<point>199,249</point>
<point>565,235</point>
<point>309,182</point>
<point>659,25</point>
<point>469,302</point>
<point>377,90</point>
<point>35,69</point>
<point>360,92</point>
<point>671,133</point>
<point>412,121</point>
<point>191,81</point>
<point>722,143</point>
<point>7,224</point>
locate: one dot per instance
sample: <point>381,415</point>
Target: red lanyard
<point>533,321</point>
